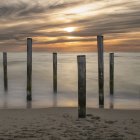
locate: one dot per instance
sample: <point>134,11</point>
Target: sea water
<point>126,81</point>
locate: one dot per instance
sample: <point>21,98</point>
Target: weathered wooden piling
<point>55,72</point>
<point>5,77</point>
<point>29,69</point>
<point>111,56</point>
<point>100,69</point>
<point>81,59</point>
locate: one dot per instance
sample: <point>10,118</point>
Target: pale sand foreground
<point>63,124</point>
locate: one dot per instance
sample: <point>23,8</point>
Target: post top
<point>99,35</point>
<point>111,53</point>
<point>81,56</point>
<point>29,38</point>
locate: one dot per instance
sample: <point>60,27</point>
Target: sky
<point>70,25</point>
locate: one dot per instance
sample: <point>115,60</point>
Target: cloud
<point>23,8</point>
<point>20,19</point>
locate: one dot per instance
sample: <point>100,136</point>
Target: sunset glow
<point>62,24</point>
<point>70,29</point>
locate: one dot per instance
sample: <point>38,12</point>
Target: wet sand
<point>63,124</point>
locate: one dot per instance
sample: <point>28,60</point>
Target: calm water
<point>127,81</point>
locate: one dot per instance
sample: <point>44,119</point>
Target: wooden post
<point>100,70</point>
<point>55,72</point>
<point>5,78</point>
<point>81,86</point>
<point>29,69</point>
<point>111,73</point>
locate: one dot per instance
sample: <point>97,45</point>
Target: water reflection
<point>111,102</point>
<point>101,106</point>
<point>5,103</point>
<point>55,100</point>
<point>126,80</point>
<point>29,105</point>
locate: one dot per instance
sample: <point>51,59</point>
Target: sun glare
<point>79,10</point>
<point>70,29</point>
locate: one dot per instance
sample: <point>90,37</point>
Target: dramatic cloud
<point>45,21</point>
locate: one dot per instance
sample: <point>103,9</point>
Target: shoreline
<point>62,107</point>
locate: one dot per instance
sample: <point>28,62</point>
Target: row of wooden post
<point>81,61</point>
<point>82,78</point>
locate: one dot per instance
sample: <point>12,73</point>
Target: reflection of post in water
<point>54,100</point>
<point>5,78</point>
<point>5,105</point>
<point>111,101</point>
<point>29,105</point>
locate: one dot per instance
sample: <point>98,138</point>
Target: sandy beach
<point>63,124</point>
